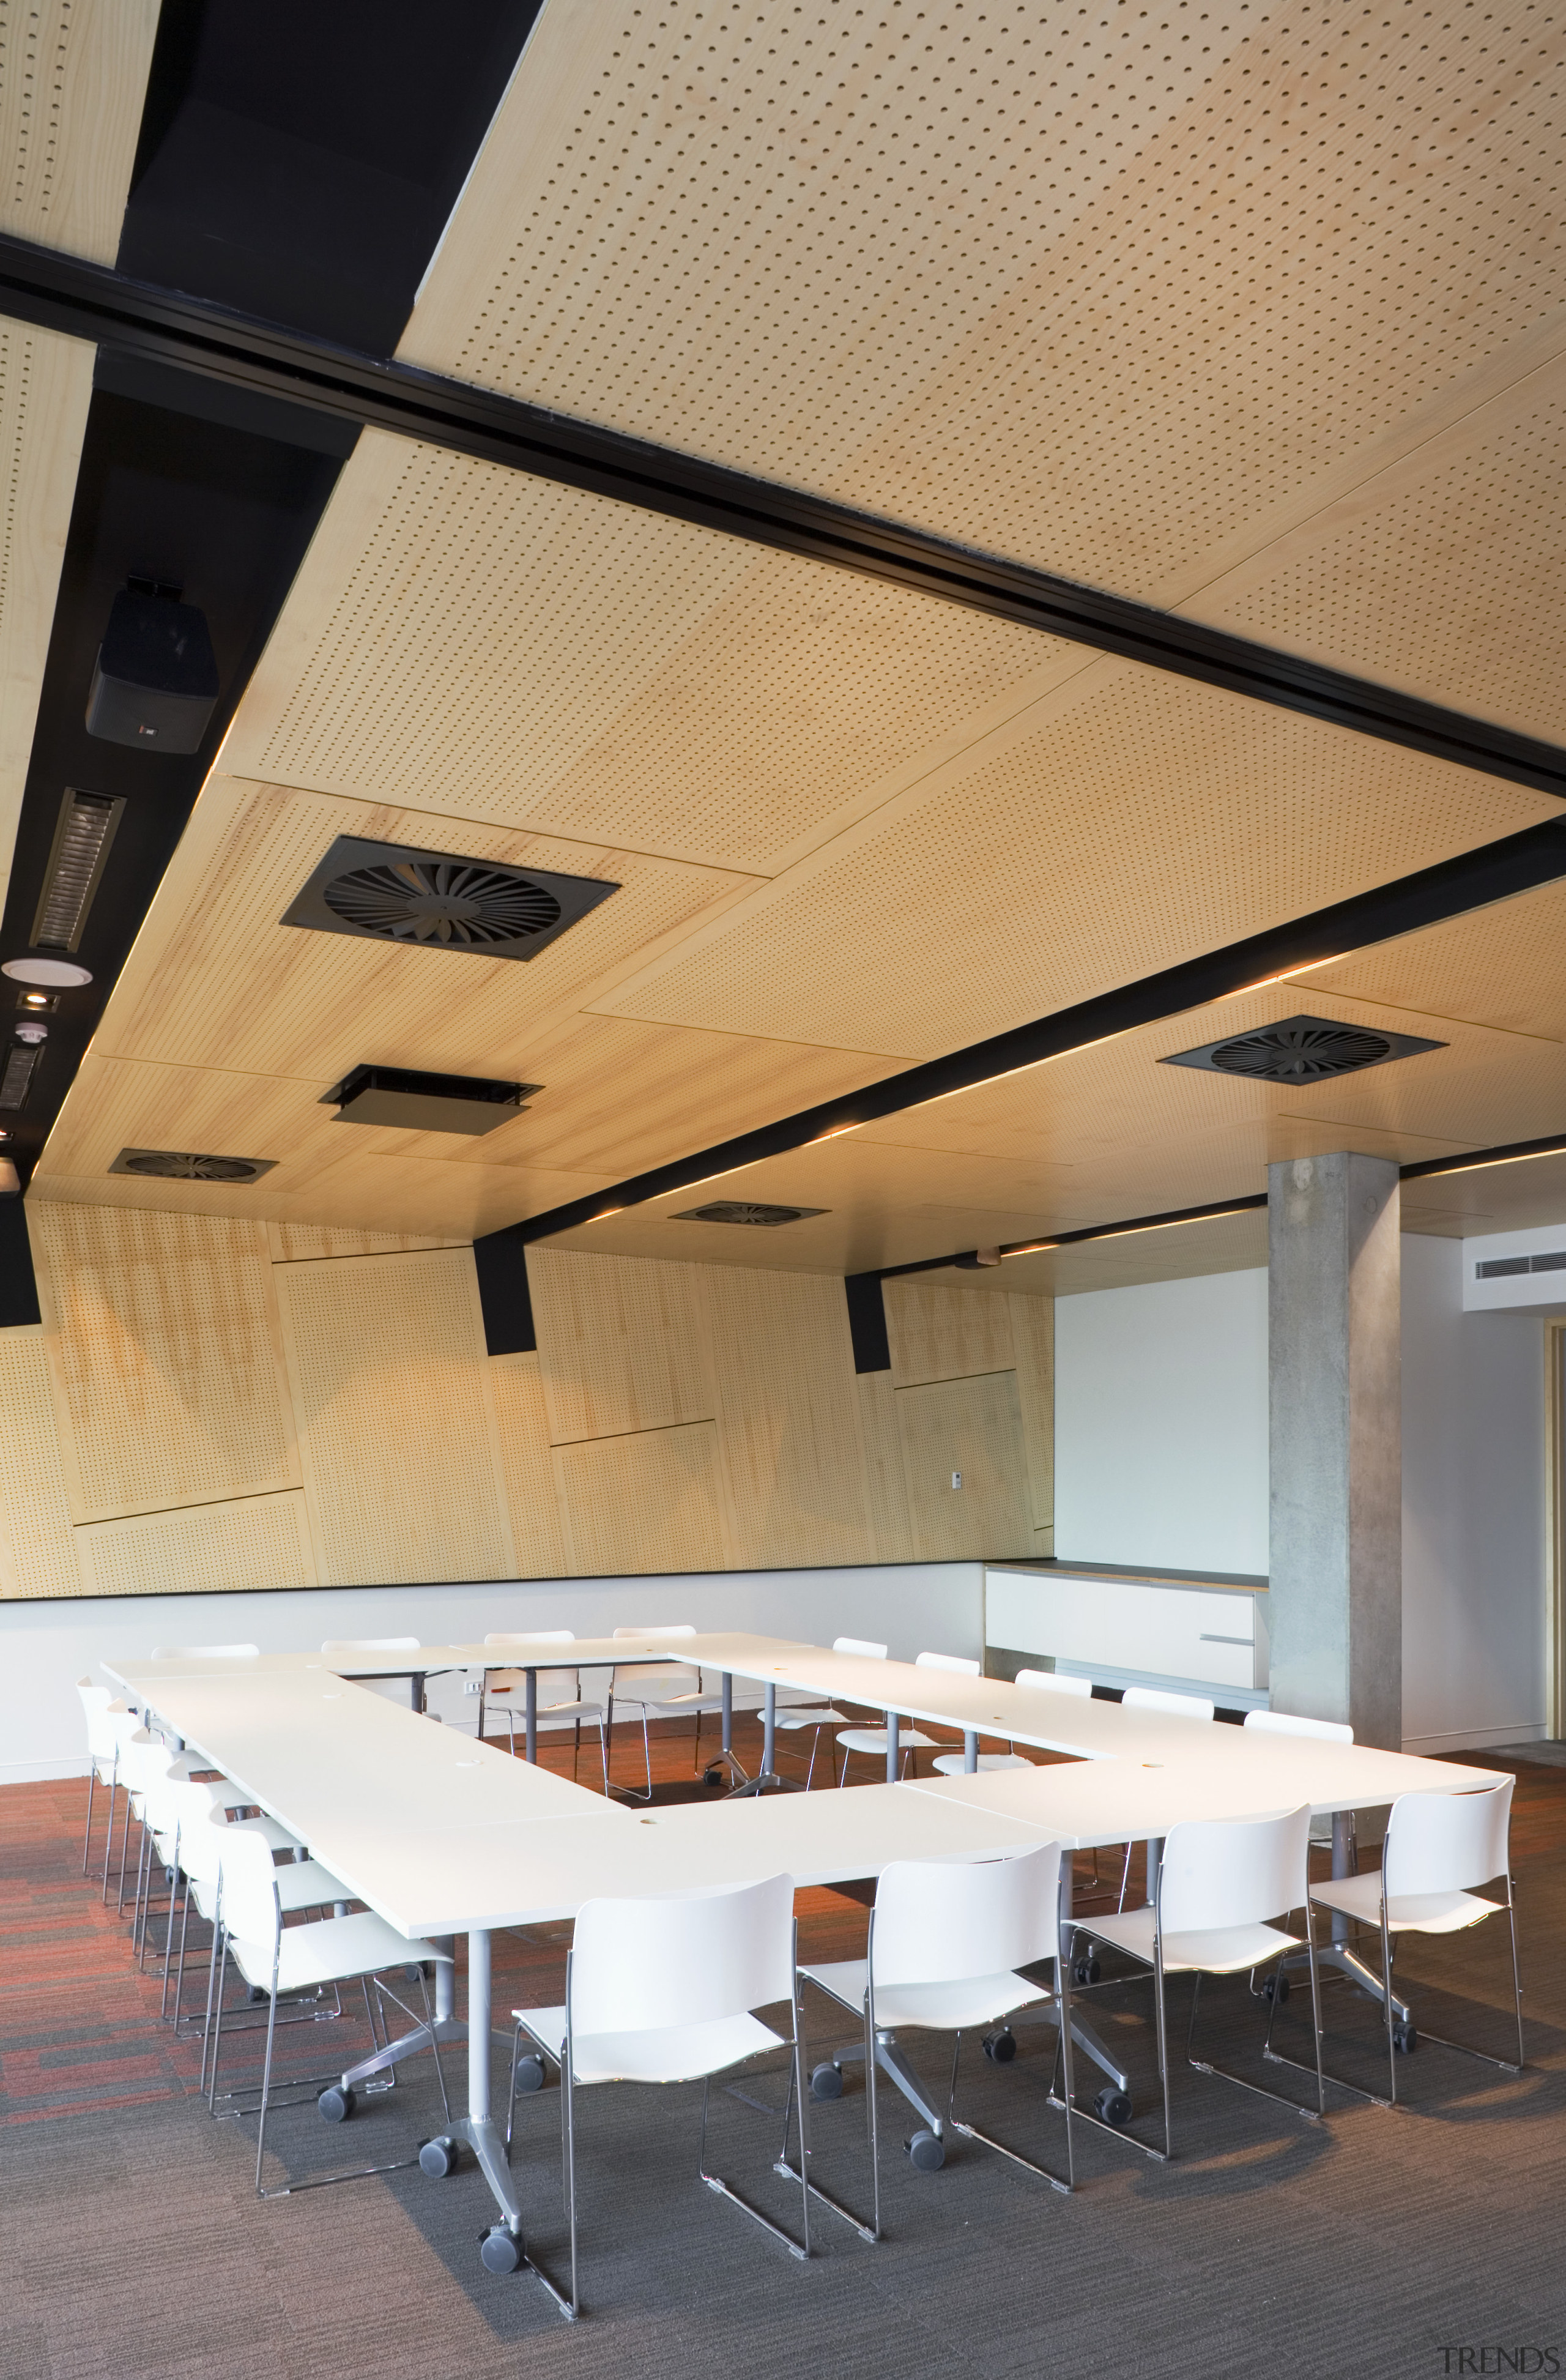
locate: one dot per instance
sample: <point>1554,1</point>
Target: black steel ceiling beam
<point>92,301</point>
<point>1520,863</point>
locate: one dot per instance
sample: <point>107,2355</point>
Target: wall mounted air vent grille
<point>1300,1051</point>
<point>1506,1267</point>
<point>741,1210</point>
<point>389,892</point>
<point>187,1165</point>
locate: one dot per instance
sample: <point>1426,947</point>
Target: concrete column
<point>1336,1442</point>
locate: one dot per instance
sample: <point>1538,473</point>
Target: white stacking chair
<point>1439,1849</point>
<point>955,1764</point>
<point>664,1991</point>
<point>1221,1884</point>
<point>192,1820</point>
<point>280,1959</point>
<point>1155,1698</point>
<point>872,1741</point>
<point>505,1686</point>
<point>1054,1681</point>
<point>659,1690</point>
<point>1324,1731</point>
<point>793,1717</point>
<point>105,1736</point>
<point>946,1939</point>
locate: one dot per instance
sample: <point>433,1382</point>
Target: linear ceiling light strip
<point>84,300</point>
<point>1520,863</point>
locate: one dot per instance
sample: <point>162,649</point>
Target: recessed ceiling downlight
<point>189,1165</point>
<point>1301,1050</point>
<point>59,975</point>
<point>440,900</point>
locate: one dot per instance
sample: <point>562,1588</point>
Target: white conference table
<point>441,1834</point>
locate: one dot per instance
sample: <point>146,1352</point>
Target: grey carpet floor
<point>131,2244</point>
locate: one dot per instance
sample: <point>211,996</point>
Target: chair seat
<point>305,1884</point>
<point>873,1739</point>
<point>946,2007</point>
<point>679,2053</point>
<point>1221,1950</point>
<point>955,1764</point>
<point>1412,1912</point>
<point>331,1951</point>
<point>677,1706</point>
<point>799,1716</point>
<point>549,1711</point>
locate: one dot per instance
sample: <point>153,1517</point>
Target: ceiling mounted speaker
<point>389,892</point>
<point>154,682</point>
<point>1300,1051</point>
<point>743,1210</point>
<point>185,1165</point>
<point>400,1100</point>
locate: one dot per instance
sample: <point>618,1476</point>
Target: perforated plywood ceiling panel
<point>1151,819</point>
<point>396,1431</point>
<point>1095,288</point>
<point>466,640</point>
<point>162,1342</point>
<point>73,74</point>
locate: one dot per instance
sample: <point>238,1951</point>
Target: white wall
<point>1161,1425</point>
<point>1474,1553</point>
<point>45,1647</point>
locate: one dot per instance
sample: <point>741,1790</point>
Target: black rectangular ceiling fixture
<point>399,1101</point>
<point>77,856</point>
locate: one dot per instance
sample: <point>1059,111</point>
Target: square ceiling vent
<point>440,901</point>
<point>743,1210</point>
<point>1301,1050</point>
<point>187,1165</point>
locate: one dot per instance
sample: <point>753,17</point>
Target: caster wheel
<point>337,2104</point>
<point>255,1997</point>
<point>714,1779</point>
<point>1406,2038</point>
<point>1085,1971</point>
<point>437,2158</point>
<point>499,2251</point>
<point>928,2153</point>
<point>1002,2047</point>
<point>1112,2106</point>
<point>1275,1990</point>
<point>529,2075</point>
<point>826,2082</point>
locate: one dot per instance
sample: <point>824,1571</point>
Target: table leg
<point>728,1715</point>
<point>769,1727</point>
<point>532,1690</point>
<point>415,1689</point>
<point>970,1754</point>
<point>447,2027</point>
<point>892,1747</point>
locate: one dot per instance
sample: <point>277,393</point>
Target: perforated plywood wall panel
<point>396,1429</point>
<point>651,1501</point>
<point>1033,1337</point>
<point>787,1415</point>
<point>622,1342</point>
<point>259,1542</point>
<point>891,1530</point>
<point>1134,279</point>
<point>974,1428</point>
<point>309,1242</point>
<point>536,1531</point>
<point>163,1339</point>
<point>939,1333</point>
<point>37,1542</point>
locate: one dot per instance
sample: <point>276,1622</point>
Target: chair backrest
<point>203,1824</point>
<point>958,1663</point>
<point>1053,1681</point>
<point>96,1703</point>
<point>206,1652</point>
<point>686,1958</point>
<point>535,1636</point>
<point>650,1679</point>
<point>941,1921</point>
<point>1271,1722</point>
<point>1448,1843</point>
<point>1233,1871</point>
<point>249,1885</point>
<point>861,1646</point>
<point>1154,1698</point>
<point>371,1645</point>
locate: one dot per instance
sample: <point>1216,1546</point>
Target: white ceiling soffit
<point>1137,297</point>
<point>73,74</point>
